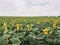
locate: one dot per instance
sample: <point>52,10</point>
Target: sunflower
<point>28,27</point>
<point>6,27</point>
<point>4,24</point>
<point>54,25</point>
<point>45,31</point>
<point>17,26</point>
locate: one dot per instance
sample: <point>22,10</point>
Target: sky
<point>29,7</point>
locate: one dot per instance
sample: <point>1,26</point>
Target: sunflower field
<point>42,30</point>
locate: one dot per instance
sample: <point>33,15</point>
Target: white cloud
<point>29,7</point>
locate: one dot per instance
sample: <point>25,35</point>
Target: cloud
<point>29,7</point>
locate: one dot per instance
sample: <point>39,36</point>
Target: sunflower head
<point>38,21</point>
<point>28,27</point>
<point>6,28</point>
<point>54,25</point>
<point>45,31</point>
<point>5,24</point>
<point>17,26</point>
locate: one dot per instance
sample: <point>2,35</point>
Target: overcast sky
<point>29,7</point>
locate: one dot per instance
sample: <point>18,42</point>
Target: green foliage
<point>35,36</point>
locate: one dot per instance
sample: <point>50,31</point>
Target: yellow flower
<point>17,26</point>
<point>54,25</point>
<point>38,22</point>
<point>6,28</point>
<point>28,27</point>
<point>13,21</point>
<point>44,21</point>
<point>5,24</point>
<point>45,31</point>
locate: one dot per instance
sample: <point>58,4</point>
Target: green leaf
<point>20,35</point>
<point>3,41</point>
<point>15,44</point>
<point>58,33</point>
<point>15,41</point>
<point>49,28</point>
<point>58,40</point>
